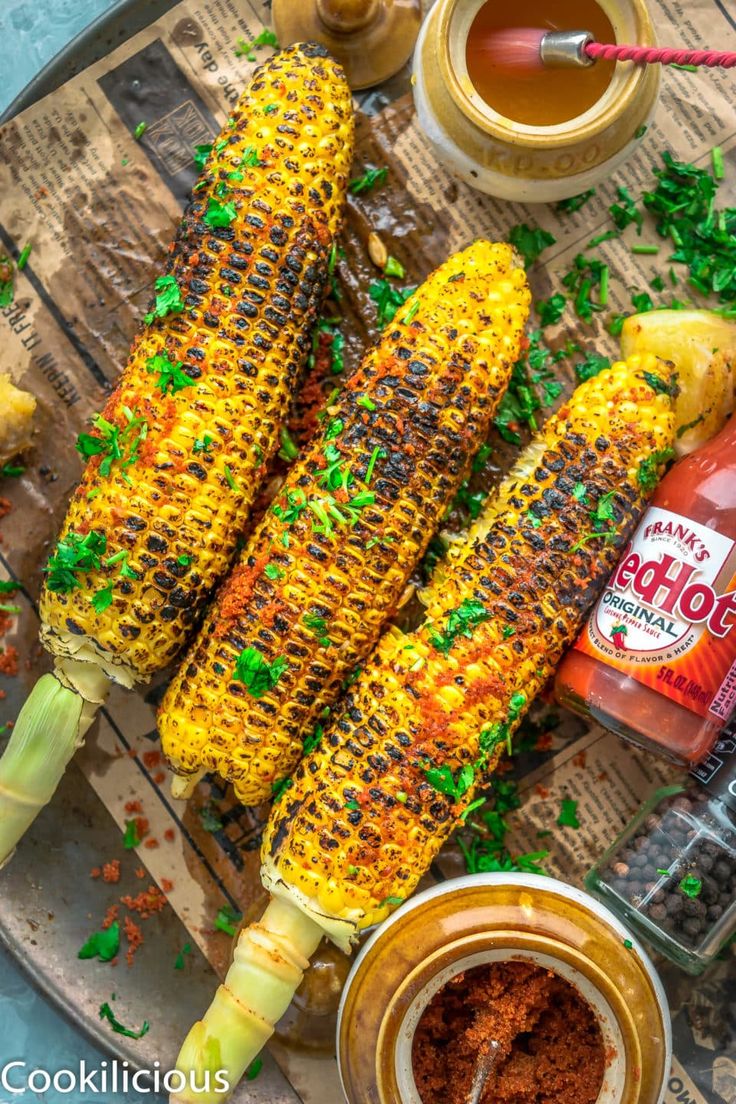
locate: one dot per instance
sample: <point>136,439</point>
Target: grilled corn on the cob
<point>174,456</point>
<point>330,560</point>
<point>199,405</point>
<point>369,808</point>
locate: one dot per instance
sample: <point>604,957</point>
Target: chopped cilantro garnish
<point>568,817</point>
<point>591,366</point>
<point>459,622</point>
<point>574,203</point>
<point>378,453</point>
<point>641,130</point>
<point>8,586</point>
<point>531,241</point>
<point>616,324</point>
<point>641,249</point>
<point>551,310</point>
<point>139,131</point>
<point>312,740</point>
<point>411,313</point>
<point>273,571</point>
<point>210,818</point>
<point>580,494</point>
<point>719,168</point>
<point>481,456</point>
<point>392,900</point>
<point>227,919</point>
<point>201,153</point>
<point>393,267</point>
<point>256,673</point>
<point>660,386</point>
<point>102,599</point>
<point>288,450</point>
<point>642,302</point>
<point>253,1069</point>
<point>317,625</point>
<point>626,212</point>
<point>131,838</point>
<point>11,471</point>
<point>648,475</point>
<point>691,886</point>
<point>7,285</point>
<point>219,215</point>
<point>24,255</point>
<point>106,1013</point>
<point>334,428</point>
<point>171,377</point>
<point>587,275</point>
<point>388,299</point>
<point>628,944</point>
<point>168,299</point>
<point>114,443</point>
<point>230,479</point>
<point>202,444</point>
<point>74,553</point>
<point>103,944</point>
<point>179,960</point>
<point>279,788</point>
<point>365,402</point>
<point>371,178</point>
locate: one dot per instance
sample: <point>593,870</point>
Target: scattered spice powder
<point>170,835</point>
<point>140,872</point>
<point>135,938</point>
<point>551,1048</point>
<point>95,872</point>
<point>151,844</point>
<point>9,661</point>
<point>147,903</point>
<point>111,871</point>
<point>151,759</point>
<point>166,885</point>
<point>5,507</point>
<point>133,807</point>
<point>110,916</point>
<point>159,778</point>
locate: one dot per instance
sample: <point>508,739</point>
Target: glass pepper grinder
<point>671,874</point>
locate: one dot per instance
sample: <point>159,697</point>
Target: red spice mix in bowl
<point>551,1050</point>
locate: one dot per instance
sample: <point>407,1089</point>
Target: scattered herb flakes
<point>114,443</point>
<point>256,673</point>
<point>102,944</point>
<point>719,167</point>
<point>253,1069</point>
<point>209,816</point>
<point>551,310</point>
<point>591,366</point>
<point>644,250</point>
<point>660,386</point>
<point>481,456</point>
<point>371,178</point>
<point>131,839</point>
<point>313,739</point>
<point>648,472</point>
<point>365,402</point>
<point>483,840</point>
<point>607,235</point>
<point>626,212</point>
<point>273,572</point>
<point>230,479</point>
<point>586,276</point>
<point>392,901</point>
<point>656,283</point>
<point>388,299</point>
<point>106,1013</point>
<point>24,255</point>
<point>288,450</point>
<point>11,471</point>
<point>683,205</point>
<point>530,241</point>
<point>227,920</point>
<point>139,131</point>
<point>202,444</point>
<point>628,944</point>
<point>393,267</point>
<point>465,499</point>
<point>616,324</point>
<point>533,384</point>
<point>7,284</point>
<point>8,586</point>
<point>411,313</point>
<point>574,203</point>
<point>318,626</point>
<point>642,302</point>
<point>568,817</point>
<point>219,215</point>
<point>279,788</point>
<point>171,377</point>
<point>102,599</point>
<point>168,299</point>
<point>201,153</point>
<point>691,886</point>
<point>377,454</point>
<point>74,553</point>
<point>452,785</point>
<point>180,958</point>
<point>459,622</point>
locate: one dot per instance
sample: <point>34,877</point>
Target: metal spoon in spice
<point>485,1066</point>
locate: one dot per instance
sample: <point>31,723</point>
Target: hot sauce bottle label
<point>667,617</point>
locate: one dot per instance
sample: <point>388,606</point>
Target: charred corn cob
<point>331,558</point>
<point>174,456</point>
<point>429,717</point>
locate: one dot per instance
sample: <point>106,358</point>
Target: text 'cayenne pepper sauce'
<point>656,662</point>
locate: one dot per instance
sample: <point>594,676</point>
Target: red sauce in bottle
<point>656,662</point>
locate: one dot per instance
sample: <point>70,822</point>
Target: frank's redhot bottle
<point>656,662</point>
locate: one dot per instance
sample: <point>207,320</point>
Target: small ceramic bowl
<point>486,918</point>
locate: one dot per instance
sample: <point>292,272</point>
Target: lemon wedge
<point>702,346</point>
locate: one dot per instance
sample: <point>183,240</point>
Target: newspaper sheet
<point>99,208</point>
